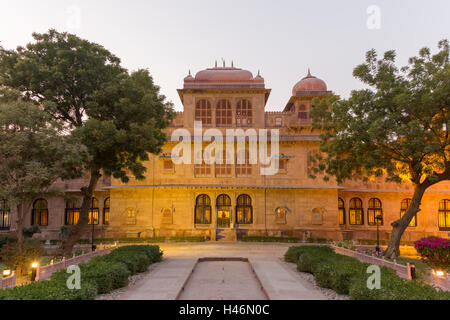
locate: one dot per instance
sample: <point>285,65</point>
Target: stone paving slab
<point>168,278</point>
<point>279,282</point>
<point>165,282</point>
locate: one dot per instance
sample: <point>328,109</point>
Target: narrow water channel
<point>222,280</point>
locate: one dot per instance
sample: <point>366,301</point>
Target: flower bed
<point>100,275</point>
<point>435,252</point>
<point>347,275</point>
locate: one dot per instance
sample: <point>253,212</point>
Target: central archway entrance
<point>223,209</point>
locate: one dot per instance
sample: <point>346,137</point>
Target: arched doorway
<point>223,206</point>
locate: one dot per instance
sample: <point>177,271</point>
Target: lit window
<point>404,205</point>
<point>223,206</point>
<point>356,211</point>
<point>375,209</point>
<point>39,214</point>
<point>244,209</point>
<point>72,212</point>
<point>106,210</point>
<point>93,211</point>
<point>444,214</point>
<point>278,122</point>
<point>203,209</point>
<point>5,216</point>
<point>341,211</point>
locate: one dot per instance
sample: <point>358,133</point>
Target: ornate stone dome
<point>223,77</point>
<point>226,74</point>
<point>309,83</point>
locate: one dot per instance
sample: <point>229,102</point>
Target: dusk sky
<point>280,38</point>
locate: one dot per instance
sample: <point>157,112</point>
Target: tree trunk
<point>77,230</point>
<point>399,226</point>
<point>19,234</point>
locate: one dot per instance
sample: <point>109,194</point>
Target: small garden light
<point>439,273</point>
<point>34,267</point>
<point>6,273</point>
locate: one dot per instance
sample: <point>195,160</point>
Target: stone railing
<point>8,282</point>
<point>401,270</point>
<point>45,272</point>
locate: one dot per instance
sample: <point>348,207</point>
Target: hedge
<point>100,275</point>
<point>188,239</point>
<point>246,238</point>
<point>347,275</point>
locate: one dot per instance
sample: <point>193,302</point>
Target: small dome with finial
<point>189,77</point>
<point>309,83</point>
<point>258,78</point>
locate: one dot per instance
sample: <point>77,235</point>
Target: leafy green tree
<point>34,153</point>
<point>398,127</point>
<point>118,116</point>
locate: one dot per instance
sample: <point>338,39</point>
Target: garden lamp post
<point>93,220</point>
<point>6,272</point>
<point>34,267</point>
<point>378,219</point>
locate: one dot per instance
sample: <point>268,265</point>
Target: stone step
<point>225,235</point>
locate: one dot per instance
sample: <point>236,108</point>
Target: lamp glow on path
<point>439,273</point>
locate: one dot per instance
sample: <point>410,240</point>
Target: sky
<point>281,38</point>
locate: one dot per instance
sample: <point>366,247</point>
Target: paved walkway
<point>218,280</point>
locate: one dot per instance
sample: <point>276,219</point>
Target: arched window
<point>375,208</point>
<point>444,214</point>
<point>404,205</point>
<point>244,209</point>
<point>106,211</point>
<point>223,207</point>
<point>72,212</point>
<point>93,211</point>
<point>203,209</point>
<point>223,113</point>
<point>203,112</point>
<point>356,211</point>
<point>5,215</point>
<point>39,214</point>
<point>341,211</point>
<point>244,113</point>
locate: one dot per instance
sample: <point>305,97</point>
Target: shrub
<point>49,290</point>
<point>347,275</point>
<point>434,251</point>
<point>29,231</point>
<point>246,238</point>
<point>106,276</point>
<point>142,240</point>
<point>100,275</point>
<point>188,239</point>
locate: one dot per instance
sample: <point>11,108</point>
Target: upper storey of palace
<point>229,97</point>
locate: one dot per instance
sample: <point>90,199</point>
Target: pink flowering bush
<point>435,252</point>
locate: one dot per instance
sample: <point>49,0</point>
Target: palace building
<point>225,201</point>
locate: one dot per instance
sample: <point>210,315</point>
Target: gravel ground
<point>133,282</point>
<point>309,282</point>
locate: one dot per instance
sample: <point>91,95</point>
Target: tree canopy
<point>119,116</point>
<point>398,127</point>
